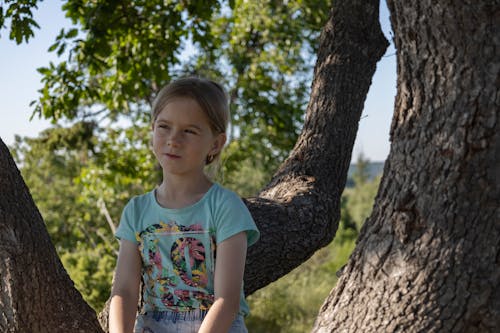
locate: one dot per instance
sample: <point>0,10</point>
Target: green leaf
<point>61,49</point>
<point>53,47</point>
<point>72,33</point>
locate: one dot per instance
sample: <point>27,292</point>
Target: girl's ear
<point>218,144</point>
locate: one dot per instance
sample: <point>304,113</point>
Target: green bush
<point>91,269</point>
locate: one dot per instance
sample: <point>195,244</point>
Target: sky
<point>19,83</point>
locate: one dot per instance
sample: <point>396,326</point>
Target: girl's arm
<point>125,291</point>
<point>229,269</point>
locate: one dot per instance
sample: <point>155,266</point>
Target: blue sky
<point>20,81</point>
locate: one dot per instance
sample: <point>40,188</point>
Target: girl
<point>188,237</point>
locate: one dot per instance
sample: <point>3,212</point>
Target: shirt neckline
<point>182,209</point>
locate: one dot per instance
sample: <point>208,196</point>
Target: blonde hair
<point>209,95</point>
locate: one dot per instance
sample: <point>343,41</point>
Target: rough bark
<point>428,258</point>
<point>297,212</point>
<point>36,294</point>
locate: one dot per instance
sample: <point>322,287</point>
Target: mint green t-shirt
<point>178,246</point>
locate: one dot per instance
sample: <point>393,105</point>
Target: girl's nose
<point>173,139</point>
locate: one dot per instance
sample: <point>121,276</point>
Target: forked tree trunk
<point>428,258</point>
<point>297,212</point>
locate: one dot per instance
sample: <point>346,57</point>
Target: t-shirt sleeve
<point>233,217</point>
<point>126,228</point>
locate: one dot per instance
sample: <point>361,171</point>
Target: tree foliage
<point>18,14</point>
<point>119,53</point>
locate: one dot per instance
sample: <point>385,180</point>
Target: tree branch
<point>298,212</point>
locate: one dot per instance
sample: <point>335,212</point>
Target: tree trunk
<point>428,258</point>
<point>36,293</point>
<point>297,212</point>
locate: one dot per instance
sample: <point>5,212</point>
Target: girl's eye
<point>190,131</point>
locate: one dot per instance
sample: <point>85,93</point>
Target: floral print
<point>193,273</point>
<point>178,264</point>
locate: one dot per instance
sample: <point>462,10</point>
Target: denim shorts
<point>179,322</point>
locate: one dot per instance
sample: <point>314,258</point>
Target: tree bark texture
<point>36,293</point>
<point>428,258</point>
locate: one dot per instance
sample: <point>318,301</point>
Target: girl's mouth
<point>173,156</point>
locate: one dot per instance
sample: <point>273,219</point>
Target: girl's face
<point>183,138</point>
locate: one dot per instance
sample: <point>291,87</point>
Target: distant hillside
<point>374,169</point>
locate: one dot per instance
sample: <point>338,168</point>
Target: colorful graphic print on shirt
<point>178,265</point>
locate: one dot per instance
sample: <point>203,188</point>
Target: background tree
<point>120,53</point>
